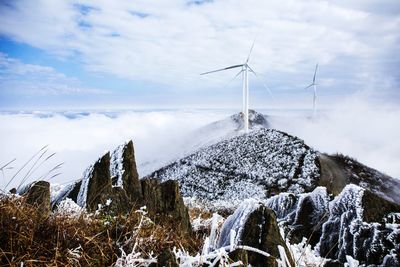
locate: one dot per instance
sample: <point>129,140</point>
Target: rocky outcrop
<point>38,195</point>
<point>165,199</point>
<point>357,222</point>
<point>254,225</point>
<point>112,185</point>
<point>129,174</point>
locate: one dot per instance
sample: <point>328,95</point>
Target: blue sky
<point>144,54</point>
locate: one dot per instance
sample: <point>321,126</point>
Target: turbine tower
<point>314,85</point>
<point>245,69</point>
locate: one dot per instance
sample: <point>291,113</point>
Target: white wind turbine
<point>244,71</point>
<point>314,85</point>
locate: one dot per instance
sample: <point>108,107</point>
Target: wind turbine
<point>314,85</point>
<point>245,78</point>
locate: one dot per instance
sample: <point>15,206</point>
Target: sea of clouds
<point>365,131</point>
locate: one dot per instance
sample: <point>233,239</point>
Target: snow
<point>304,255</point>
<point>116,165</point>
<point>245,166</point>
<point>82,195</point>
<point>68,208</point>
<point>236,222</point>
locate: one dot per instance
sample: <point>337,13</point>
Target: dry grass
<point>29,237</point>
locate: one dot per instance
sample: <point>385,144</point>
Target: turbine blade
<point>308,86</point>
<point>231,80</point>
<point>227,68</point>
<point>315,72</point>
<point>251,50</point>
<point>262,82</point>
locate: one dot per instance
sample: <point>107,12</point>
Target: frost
<point>116,165</point>
<point>68,208</point>
<point>304,255</point>
<point>245,166</point>
<point>82,195</point>
<point>236,222</point>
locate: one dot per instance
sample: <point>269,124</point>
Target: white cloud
<point>80,141</point>
<point>19,78</point>
<point>360,128</point>
<point>172,41</point>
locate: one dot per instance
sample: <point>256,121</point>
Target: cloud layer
<point>362,130</point>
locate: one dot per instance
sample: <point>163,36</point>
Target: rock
<point>239,255</point>
<point>152,195</point>
<point>357,227</point>
<point>111,183</point>
<point>130,176</point>
<point>99,184</point>
<point>255,225</point>
<point>333,263</point>
<point>13,190</point>
<point>39,195</point>
<point>165,199</point>
<point>173,205</point>
<point>261,231</point>
<point>167,259</point>
<point>118,202</point>
<point>311,212</point>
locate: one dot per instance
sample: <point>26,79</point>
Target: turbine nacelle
<point>245,69</point>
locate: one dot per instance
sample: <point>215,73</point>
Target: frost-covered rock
<point>356,223</point>
<point>113,178</point>
<point>254,165</point>
<point>255,226</point>
<point>357,227</point>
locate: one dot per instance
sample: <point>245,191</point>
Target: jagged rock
<point>261,231</point>
<point>152,195</point>
<point>129,175</point>
<point>255,225</point>
<point>357,222</point>
<point>38,194</point>
<point>165,199</point>
<point>255,120</point>
<point>118,202</point>
<point>311,212</point>
<point>111,183</point>
<point>356,227</point>
<point>167,259</point>
<point>13,191</point>
<point>99,184</point>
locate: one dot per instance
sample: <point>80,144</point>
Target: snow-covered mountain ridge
<point>259,164</point>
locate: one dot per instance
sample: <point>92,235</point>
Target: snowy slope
<point>258,164</point>
<point>205,136</point>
